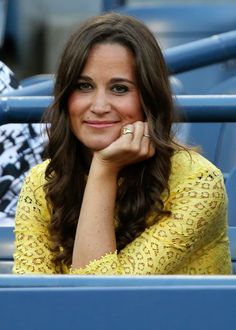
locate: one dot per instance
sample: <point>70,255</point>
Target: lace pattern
<point>192,240</point>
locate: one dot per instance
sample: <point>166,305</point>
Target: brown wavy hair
<point>142,183</point>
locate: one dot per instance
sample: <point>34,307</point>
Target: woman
<point>118,195</point>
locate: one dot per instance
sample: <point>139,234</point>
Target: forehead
<point>110,56</point>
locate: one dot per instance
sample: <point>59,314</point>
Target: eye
<point>120,89</point>
<point>84,86</point>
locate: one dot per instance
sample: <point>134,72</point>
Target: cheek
<point>131,109</point>
<point>135,112</point>
<point>75,106</point>
<point>71,104</point>
<point>140,115</point>
<point>73,119</point>
<point>74,114</point>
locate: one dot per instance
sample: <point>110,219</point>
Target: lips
<point>100,123</point>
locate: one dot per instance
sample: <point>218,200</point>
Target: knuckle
<point>125,148</point>
<point>138,124</point>
<point>136,149</point>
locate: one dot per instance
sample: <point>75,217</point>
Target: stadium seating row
<point>102,303</point>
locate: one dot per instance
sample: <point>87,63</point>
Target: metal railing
<point>196,54</point>
<point>192,108</point>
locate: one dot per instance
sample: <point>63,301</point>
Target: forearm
<point>95,235</point>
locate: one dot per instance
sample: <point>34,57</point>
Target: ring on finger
<point>127,130</point>
<point>147,135</point>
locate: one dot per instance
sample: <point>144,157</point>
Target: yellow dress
<point>192,240</point>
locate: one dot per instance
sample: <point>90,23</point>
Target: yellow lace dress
<point>192,240</point>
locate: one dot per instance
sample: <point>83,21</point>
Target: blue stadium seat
<point>231,190</point>
<point>41,88</point>
<point>232,239</point>
<point>163,303</point>
<point>6,248</point>
<point>178,23</point>
<point>35,79</point>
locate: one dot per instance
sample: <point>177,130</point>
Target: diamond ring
<point>127,130</point>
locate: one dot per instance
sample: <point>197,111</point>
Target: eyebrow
<point>87,78</point>
<point>120,79</point>
<point>113,80</point>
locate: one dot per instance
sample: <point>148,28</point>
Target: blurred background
<point>34,31</point>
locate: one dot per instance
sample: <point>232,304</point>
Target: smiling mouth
<point>100,124</point>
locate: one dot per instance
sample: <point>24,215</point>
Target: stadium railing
<point>196,54</point>
<point>192,108</point>
<point>212,58</point>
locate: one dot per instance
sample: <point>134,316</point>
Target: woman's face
<point>106,97</point>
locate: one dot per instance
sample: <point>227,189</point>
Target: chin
<point>98,146</point>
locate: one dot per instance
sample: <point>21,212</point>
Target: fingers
<point>147,146</point>
<point>135,131</point>
<point>133,145</point>
<point>136,137</point>
<point>148,140</point>
<point>128,130</point>
<point>146,131</point>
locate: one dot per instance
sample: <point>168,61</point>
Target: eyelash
<point>117,89</point>
<point>81,86</point>
<point>123,87</point>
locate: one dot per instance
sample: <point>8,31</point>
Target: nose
<point>100,103</point>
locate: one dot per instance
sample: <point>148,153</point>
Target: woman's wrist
<point>103,167</point>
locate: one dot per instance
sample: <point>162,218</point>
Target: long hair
<point>142,184</point>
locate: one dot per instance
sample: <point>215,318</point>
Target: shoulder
<point>36,175</point>
<point>186,162</point>
<point>32,203</point>
<point>190,166</point>
<point>197,190</point>
<point>39,168</point>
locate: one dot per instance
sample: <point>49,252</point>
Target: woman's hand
<point>134,145</point>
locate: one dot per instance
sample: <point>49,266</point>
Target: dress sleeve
<point>32,249</point>
<point>198,213</point>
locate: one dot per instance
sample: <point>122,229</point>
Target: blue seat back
<point>232,239</point>
<point>231,190</point>
<point>6,248</point>
<point>163,303</point>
